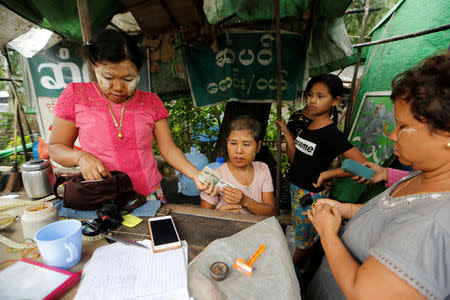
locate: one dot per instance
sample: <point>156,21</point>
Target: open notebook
<point>120,271</point>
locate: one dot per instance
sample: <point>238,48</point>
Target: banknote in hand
<point>208,174</point>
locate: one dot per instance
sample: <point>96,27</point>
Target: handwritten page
<point>120,271</point>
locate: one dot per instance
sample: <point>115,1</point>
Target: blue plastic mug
<point>60,243</point>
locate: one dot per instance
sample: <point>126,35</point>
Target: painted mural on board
<point>373,126</point>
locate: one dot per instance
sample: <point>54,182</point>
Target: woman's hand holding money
<point>207,187</point>
<point>233,196</point>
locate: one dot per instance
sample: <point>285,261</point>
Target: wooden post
<point>352,99</point>
<point>86,32</point>
<point>278,97</point>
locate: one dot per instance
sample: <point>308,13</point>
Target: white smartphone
<point>163,233</point>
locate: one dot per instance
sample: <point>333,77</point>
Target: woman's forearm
<point>343,266</point>
<point>64,155</point>
<point>170,152</point>
<point>353,209</point>
<point>175,157</point>
<point>258,208</point>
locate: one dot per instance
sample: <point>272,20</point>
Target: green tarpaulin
<point>62,16</point>
<point>252,10</point>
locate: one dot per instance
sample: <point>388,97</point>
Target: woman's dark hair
<point>246,122</point>
<point>426,87</point>
<point>113,46</point>
<point>333,82</point>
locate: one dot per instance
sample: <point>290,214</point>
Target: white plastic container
<point>34,218</point>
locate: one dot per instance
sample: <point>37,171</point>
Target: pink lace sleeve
<point>395,175</point>
<point>160,110</point>
<point>64,108</point>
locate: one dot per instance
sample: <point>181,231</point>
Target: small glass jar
<point>37,216</point>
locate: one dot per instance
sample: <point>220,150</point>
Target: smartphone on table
<point>163,233</point>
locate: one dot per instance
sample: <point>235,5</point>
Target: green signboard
<point>243,68</point>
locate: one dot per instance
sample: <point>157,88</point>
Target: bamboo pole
<point>17,104</point>
<point>10,79</point>
<point>351,100</point>
<point>24,115</point>
<point>278,97</point>
<point>86,32</point>
<point>360,10</point>
<point>403,37</point>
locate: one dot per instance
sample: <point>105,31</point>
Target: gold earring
<point>448,145</point>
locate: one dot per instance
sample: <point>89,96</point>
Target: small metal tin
<point>218,270</point>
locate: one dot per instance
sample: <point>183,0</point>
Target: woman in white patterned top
<point>397,246</point>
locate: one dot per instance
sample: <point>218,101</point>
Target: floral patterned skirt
<point>305,234</point>
<point>157,195</point>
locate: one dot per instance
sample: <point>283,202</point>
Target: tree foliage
<point>353,22</point>
<point>194,126</point>
<point>7,119</point>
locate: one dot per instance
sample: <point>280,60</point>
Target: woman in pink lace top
<point>114,122</point>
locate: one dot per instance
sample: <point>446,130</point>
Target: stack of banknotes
<point>208,174</point>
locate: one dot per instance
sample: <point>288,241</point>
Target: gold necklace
<point>408,182</point>
<point>118,126</point>
<point>402,187</point>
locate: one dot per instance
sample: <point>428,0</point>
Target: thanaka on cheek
<point>406,130</point>
<point>309,101</point>
<point>131,86</point>
<point>102,82</point>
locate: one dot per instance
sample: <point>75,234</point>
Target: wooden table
<point>198,226</point>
